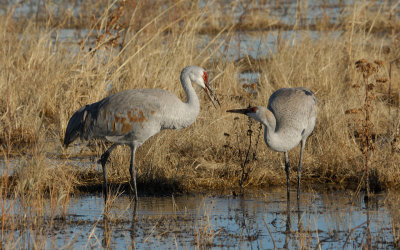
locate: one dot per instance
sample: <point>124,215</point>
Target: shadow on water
<point>145,188</point>
<point>262,220</point>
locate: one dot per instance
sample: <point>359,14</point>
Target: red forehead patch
<point>205,76</point>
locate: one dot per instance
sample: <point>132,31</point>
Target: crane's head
<point>199,76</point>
<point>257,113</point>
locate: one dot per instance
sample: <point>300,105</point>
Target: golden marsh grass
<point>43,80</point>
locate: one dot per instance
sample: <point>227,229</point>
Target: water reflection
<point>288,225</point>
<point>263,220</point>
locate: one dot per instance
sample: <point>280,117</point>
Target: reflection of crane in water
<point>133,116</point>
<point>289,119</point>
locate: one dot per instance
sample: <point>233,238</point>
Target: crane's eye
<point>205,77</point>
<point>255,109</point>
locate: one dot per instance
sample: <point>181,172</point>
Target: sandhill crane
<point>289,119</point>
<point>133,116</point>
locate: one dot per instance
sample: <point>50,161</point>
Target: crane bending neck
<point>192,101</point>
<point>278,139</point>
<point>266,117</point>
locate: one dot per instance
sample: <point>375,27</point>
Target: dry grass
<point>43,81</point>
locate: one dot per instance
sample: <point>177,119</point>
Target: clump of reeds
<point>246,151</point>
<point>371,77</point>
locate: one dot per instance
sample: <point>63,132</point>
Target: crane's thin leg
<point>303,143</point>
<point>133,173</point>
<point>287,169</point>
<point>103,161</point>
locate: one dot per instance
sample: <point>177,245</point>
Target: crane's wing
<point>128,116</point>
<point>132,110</point>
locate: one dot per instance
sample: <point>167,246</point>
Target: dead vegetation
<point>43,80</point>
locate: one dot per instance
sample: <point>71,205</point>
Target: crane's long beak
<point>209,91</point>
<point>240,111</point>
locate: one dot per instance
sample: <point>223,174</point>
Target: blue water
<point>260,221</point>
<point>261,44</point>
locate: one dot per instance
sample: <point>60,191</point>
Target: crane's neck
<point>189,109</point>
<point>277,139</point>
<point>192,101</point>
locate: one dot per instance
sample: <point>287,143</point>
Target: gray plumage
<point>288,120</point>
<point>79,124</point>
<point>133,116</point>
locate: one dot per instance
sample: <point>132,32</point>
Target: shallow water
<point>263,220</point>
<point>261,44</point>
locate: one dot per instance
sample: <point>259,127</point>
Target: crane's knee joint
<point>103,158</point>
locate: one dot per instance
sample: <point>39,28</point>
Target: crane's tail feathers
<point>78,126</point>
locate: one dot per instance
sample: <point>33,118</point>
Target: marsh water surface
<point>260,221</point>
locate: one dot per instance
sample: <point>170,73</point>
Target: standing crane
<point>289,120</point>
<point>133,116</point>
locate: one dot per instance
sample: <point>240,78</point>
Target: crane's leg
<point>287,169</point>
<point>303,143</point>
<point>133,173</point>
<point>103,161</point>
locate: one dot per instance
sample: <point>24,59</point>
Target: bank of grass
<point>43,81</point>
